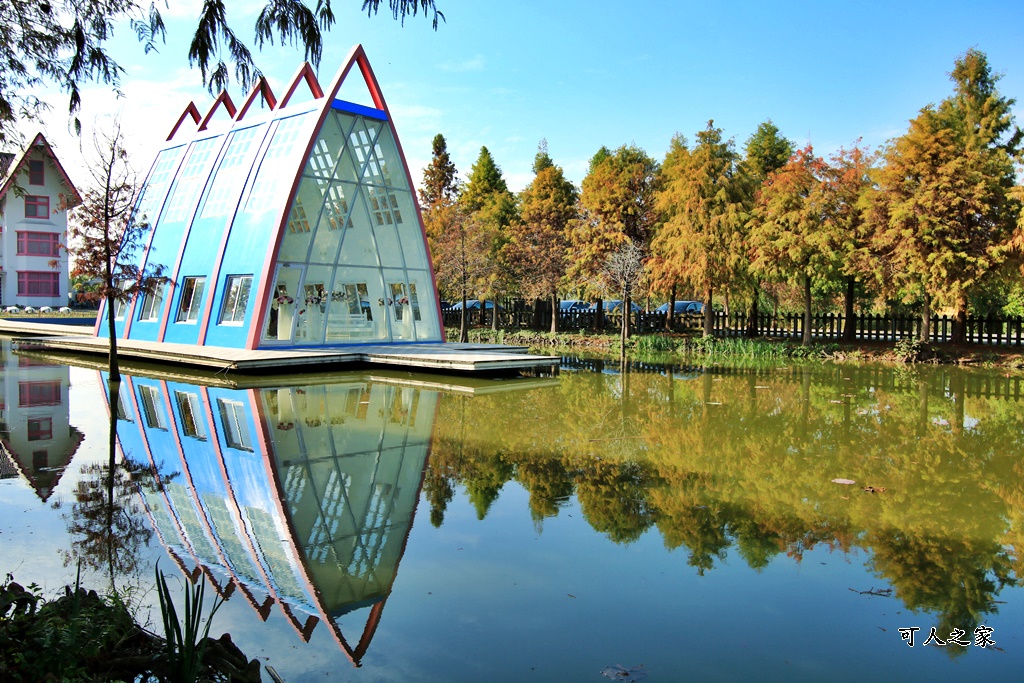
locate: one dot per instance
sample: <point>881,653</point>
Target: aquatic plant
<point>184,648</point>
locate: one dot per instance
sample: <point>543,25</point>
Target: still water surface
<point>682,523</point>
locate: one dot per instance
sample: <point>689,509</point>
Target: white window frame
<point>235,286</point>
<point>192,290</point>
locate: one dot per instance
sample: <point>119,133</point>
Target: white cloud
<point>416,118</point>
<point>476,63</point>
<point>147,112</point>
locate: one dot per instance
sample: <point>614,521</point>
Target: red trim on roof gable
<point>222,98</point>
<point>305,72</point>
<point>356,56</point>
<point>262,87</point>
<point>41,143</point>
<point>190,110</point>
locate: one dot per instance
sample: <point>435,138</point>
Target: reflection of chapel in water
<point>299,496</point>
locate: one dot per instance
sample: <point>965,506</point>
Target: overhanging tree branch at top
<point>64,44</point>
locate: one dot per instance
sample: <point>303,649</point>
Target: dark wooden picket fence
<point>829,326</point>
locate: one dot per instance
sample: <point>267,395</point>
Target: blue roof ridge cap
<point>359,109</point>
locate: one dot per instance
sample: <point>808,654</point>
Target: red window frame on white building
<point>35,172</point>
<point>40,428</point>
<point>39,393</point>
<point>37,206</point>
<point>38,283</point>
<point>38,243</point>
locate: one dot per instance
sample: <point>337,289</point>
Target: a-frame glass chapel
<point>290,225</point>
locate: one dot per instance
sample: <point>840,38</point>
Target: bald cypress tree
<point>490,208</point>
<point>439,177</point>
<point>943,216</point>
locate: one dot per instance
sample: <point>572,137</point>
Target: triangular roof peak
<point>305,73</point>
<point>222,99</point>
<point>357,57</point>
<point>40,143</point>
<point>190,110</point>
<point>262,88</point>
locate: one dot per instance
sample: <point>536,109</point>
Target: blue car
<point>473,305</point>
<point>683,308</point>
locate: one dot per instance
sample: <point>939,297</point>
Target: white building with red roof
<point>35,196</point>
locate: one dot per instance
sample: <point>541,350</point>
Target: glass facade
<point>352,265</point>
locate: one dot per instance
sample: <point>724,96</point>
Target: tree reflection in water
<point>744,458</point>
<point>107,522</point>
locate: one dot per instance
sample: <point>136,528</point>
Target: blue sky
<point>585,74</point>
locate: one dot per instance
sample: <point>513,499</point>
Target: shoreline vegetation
<point>80,635</point>
<point>681,346</point>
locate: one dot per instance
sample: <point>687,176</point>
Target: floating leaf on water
<point>619,673</point>
<point>840,480</point>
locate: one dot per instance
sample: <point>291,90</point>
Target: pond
<point>797,523</point>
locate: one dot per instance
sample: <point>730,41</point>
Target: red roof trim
<point>305,72</point>
<point>262,87</point>
<point>222,98</point>
<point>40,142</point>
<point>190,110</point>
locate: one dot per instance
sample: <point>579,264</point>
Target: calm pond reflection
<point>708,523</point>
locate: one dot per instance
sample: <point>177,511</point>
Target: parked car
<point>615,306</point>
<point>474,305</point>
<point>683,307</point>
<point>569,305</point>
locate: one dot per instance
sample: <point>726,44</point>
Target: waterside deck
<point>483,359</point>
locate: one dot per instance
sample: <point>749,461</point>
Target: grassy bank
<point>740,348</point>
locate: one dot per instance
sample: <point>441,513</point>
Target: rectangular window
<point>120,302</point>
<point>38,243</point>
<point>151,406</point>
<point>191,416</point>
<point>37,206</point>
<point>39,393</point>
<point>236,298</point>
<point>151,304</point>
<point>236,430</point>
<point>40,459</point>
<point>34,283</point>
<point>40,429</point>
<point>191,299</point>
<point>35,172</point>
<point>123,409</point>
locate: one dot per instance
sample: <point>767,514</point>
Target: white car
<point>63,309</point>
<point>12,309</point>
<point>45,309</point>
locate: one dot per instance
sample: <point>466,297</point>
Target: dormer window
<point>37,206</point>
<point>35,172</point>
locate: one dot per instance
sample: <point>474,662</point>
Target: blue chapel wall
<point>155,191</point>
<point>171,227</point>
<point>211,221</point>
<point>254,226</point>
